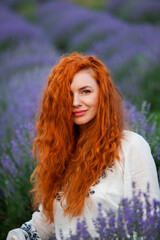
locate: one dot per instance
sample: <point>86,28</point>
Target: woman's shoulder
<point>133,139</point>
<point>136,151</point>
<point>133,136</point>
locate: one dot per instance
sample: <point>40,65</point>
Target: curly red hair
<point>67,160</point>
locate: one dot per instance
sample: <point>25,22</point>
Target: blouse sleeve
<point>139,167</point>
<point>37,228</point>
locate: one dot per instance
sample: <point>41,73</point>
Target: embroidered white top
<point>136,165</point>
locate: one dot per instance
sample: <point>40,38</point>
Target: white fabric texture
<point>17,234</point>
<point>136,164</point>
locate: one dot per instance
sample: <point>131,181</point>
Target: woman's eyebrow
<point>85,87</point>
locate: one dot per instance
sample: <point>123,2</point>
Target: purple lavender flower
<point>81,231</point>
<point>27,56</point>
<point>14,28</point>
<point>49,14</point>
<point>58,29</point>
<point>16,158</point>
<point>139,121</point>
<point>94,32</point>
<point>22,95</point>
<point>129,222</point>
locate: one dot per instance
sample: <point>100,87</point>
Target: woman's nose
<point>76,100</point>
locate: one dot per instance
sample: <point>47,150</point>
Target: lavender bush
<point>136,11</point>
<point>61,27</point>
<point>143,123</point>
<point>26,57</point>
<point>131,51</point>
<point>137,218</point>
<point>20,99</point>
<point>16,167</point>
<point>17,132</point>
<point>14,29</point>
<point>95,32</point>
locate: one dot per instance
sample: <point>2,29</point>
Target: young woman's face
<point>85,92</point>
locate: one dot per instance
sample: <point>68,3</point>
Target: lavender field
<point>124,34</point>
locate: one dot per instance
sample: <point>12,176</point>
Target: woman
<point>84,154</point>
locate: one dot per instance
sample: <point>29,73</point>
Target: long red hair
<point>67,160</point>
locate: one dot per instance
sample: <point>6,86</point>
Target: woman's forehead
<point>83,78</point>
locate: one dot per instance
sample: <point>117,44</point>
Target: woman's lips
<point>79,113</point>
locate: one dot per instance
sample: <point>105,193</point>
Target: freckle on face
<point>85,92</point>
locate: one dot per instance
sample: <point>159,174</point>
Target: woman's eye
<point>86,91</point>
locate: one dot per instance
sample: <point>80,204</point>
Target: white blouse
<point>136,165</point>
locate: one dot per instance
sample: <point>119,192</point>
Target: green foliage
<point>92,4</point>
<point>62,42</point>
<point>26,9</point>
<point>15,203</point>
<point>87,43</point>
<point>147,80</point>
<point>5,45</point>
<point>151,87</point>
<point>16,167</point>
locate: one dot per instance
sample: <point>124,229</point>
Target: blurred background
<point>124,34</point>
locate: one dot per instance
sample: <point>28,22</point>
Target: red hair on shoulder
<point>68,161</point>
